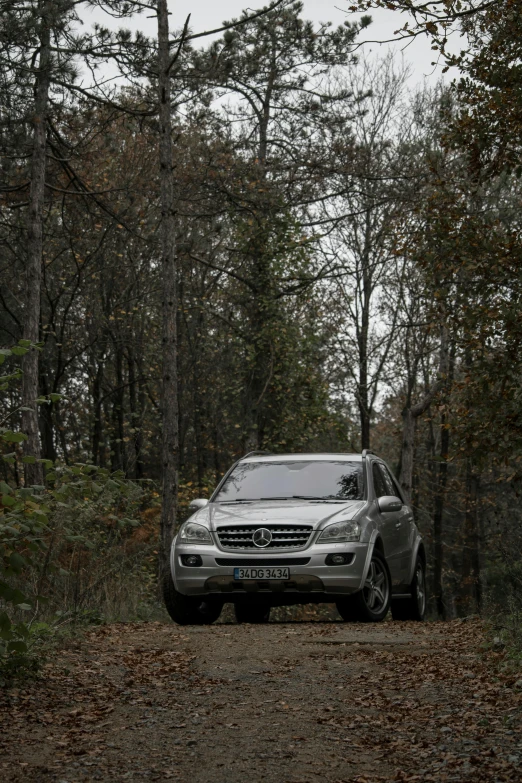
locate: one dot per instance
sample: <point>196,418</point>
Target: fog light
<point>194,561</point>
<point>339,559</point>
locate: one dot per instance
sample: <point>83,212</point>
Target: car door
<point>387,524</point>
<point>403,526</point>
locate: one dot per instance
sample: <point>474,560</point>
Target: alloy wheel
<point>376,587</point>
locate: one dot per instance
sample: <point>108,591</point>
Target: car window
<point>314,479</point>
<point>390,488</point>
<point>391,482</point>
<point>378,482</point>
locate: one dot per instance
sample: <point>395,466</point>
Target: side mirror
<point>197,503</point>
<point>389,503</point>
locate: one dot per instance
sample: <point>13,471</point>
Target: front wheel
<point>252,612</point>
<point>414,606</point>
<point>189,609</point>
<point>371,604</point>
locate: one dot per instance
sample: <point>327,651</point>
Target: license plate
<point>261,573</point>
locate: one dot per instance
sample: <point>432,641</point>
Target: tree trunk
<point>217,460</point>
<point>362,386</point>
<point>97,425</point>
<point>142,406</point>
<point>197,401</point>
<point>118,401</point>
<point>169,397</point>
<point>409,423</point>
<point>47,432</point>
<point>264,325</point>
<point>438,511</point>
<point>33,279</point>
<point>365,427</point>
<point>133,413</point>
<point>264,314</point>
<point>62,433</point>
<point>136,401</point>
<point>440,496</point>
<point>47,439</point>
<point>471,589</point>
<point>411,413</point>
<point>471,582</point>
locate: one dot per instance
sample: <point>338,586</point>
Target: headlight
<point>341,531</point>
<point>192,533</point>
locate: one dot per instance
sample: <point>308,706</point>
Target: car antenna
<point>257,453</point>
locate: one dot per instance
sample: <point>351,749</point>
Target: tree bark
<point>362,386</point>
<point>142,406</point>
<point>198,403</point>
<point>217,460</point>
<point>409,422</point>
<point>48,448</point>
<point>264,310</point>
<point>471,581</point>
<point>97,425</point>
<point>411,413</point>
<point>169,398</point>
<point>137,402</point>
<point>471,588</point>
<point>438,512</point>
<point>118,461</point>
<point>440,496</point>
<point>33,278</point>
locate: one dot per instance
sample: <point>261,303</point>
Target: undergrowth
<point>76,550</point>
<point>503,600</point>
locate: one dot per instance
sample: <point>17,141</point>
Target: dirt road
<point>283,703</point>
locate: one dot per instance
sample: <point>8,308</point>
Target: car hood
<point>317,514</point>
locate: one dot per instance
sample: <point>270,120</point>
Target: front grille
<point>261,561</point>
<point>283,536</point>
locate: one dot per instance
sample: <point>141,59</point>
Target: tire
<point>413,607</point>
<point>252,612</point>
<point>189,609</point>
<point>371,604</point>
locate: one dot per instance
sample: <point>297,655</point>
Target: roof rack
<point>366,452</point>
<point>257,453</point>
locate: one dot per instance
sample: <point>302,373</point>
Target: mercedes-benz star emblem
<point>262,537</point>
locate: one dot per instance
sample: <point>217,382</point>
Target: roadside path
<point>281,703</point>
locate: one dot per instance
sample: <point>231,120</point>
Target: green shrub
<point>66,549</point>
<point>504,594</point>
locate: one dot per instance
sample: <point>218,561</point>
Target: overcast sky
<point>208,14</point>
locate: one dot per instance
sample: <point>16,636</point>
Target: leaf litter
<point>228,703</point>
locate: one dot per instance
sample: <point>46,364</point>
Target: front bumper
<point>309,574</point>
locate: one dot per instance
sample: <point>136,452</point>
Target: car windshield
<point>310,480</point>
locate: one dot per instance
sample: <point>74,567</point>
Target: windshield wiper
<point>278,497</point>
<point>325,498</point>
<point>238,500</point>
<point>274,497</point>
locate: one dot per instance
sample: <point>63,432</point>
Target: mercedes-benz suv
<point>283,529</point>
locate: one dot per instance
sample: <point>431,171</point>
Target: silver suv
<point>283,529</point>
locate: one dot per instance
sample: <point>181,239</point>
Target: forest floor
<point>281,703</point>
